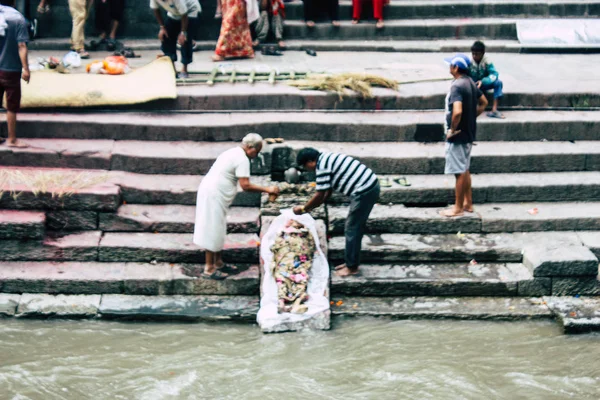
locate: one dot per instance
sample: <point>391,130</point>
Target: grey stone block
<point>585,286</point>
<point>204,308</point>
<point>8,304</point>
<point>21,224</point>
<point>577,315</point>
<point>535,287</point>
<point>61,306</point>
<point>72,220</point>
<point>570,260</point>
<point>469,308</point>
<point>591,240</point>
<point>81,246</point>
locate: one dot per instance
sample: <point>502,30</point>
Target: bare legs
<point>214,261</point>
<point>463,196</point>
<point>11,122</point>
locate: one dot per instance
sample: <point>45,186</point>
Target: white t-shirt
<point>177,8</point>
<point>230,166</point>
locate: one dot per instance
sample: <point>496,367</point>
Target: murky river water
<point>359,359</point>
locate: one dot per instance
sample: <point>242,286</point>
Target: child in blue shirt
<point>483,72</point>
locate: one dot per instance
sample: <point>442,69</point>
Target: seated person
<point>377,11</point>
<point>484,74</point>
<point>293,253</point>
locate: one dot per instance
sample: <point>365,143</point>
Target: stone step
<point>444,45</point>
<point>468,308</point>
<point>577,315</point>
<point>493,28</point>
<point>172,247</point>
<point>80,246</point>
<point>58,189</point>
<point>488,218</point>
<point>113,189</point>
<point>22,224</point>
<point>488,157</point>
<point>179,158</point>
<point>453,279</point>
<point>389,126</point>
<point>493,188</point>
<point>122,278</point>
<point>194,158</point>
<point>173,219</point>
<point>426,9</point>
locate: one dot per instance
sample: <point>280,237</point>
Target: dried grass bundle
<point>57,184</point>
<point>340,83</point>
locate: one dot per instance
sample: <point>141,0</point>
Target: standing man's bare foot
<point>281,44</point>
<point>255,43</point>
<point>217,58</point>
<point>17,144</point>
<point>451,212</point>
<point>468,209</point>
<point>310,24</point>
<point>344,271</point>
<point>354,21</point>
<point>335,23</point>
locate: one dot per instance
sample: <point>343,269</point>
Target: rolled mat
<point>49,88</point>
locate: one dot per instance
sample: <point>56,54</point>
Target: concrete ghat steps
<point>193,158</point>
<point>430,279</point>
<point>488,218</point>
<point>389,126</point>
<point>126,247</point>
<point>122,278</point>
<point>173,219</point>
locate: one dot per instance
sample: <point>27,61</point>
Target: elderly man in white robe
<point>215,195</point>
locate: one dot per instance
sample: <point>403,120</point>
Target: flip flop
<point>229,269</point>
<point>384,182</point>
<point>495,114</point>
<point>216,276</point>
<point>402,181</point>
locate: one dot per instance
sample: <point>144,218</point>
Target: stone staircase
<point>124,242</point>
<point>423,25</point>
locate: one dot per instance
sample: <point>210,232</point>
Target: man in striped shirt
<point>348,176</point>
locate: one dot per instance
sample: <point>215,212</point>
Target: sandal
<point>379,24</point>
<point>229,269</point>
<point>270,51</point>
<point>402,181</point>
<point>384,182</point>
<point>84,55</point>
<point>216,276</point>
<point>495,114</point>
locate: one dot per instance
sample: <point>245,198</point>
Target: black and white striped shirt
<point>344,174</point>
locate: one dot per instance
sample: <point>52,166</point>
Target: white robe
<point>215,195</point>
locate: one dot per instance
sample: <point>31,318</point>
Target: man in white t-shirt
<point>181,19</point>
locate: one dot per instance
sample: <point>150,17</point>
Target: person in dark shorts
<point>464,103</point>
<point>350,177</point>
<point>109,14</point>
<point>14,65</point>
<point>181,19</point>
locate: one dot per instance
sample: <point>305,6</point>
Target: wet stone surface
<point>577,315</point>
<point>63,306</point>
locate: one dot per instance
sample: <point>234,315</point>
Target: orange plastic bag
<point>112,65</point>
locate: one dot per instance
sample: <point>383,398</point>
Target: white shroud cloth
<point>215,195</point>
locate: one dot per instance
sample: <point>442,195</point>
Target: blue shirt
<point>15,33</point>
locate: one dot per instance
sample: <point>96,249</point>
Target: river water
<point>359,359</point>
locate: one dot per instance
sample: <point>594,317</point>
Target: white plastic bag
<point>268,317</point>
<point>71,60</point>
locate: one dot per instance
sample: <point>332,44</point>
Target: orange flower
<point>331,302</point>
<point>339,303</point>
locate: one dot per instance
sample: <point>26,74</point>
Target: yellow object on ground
<point>48,88</point>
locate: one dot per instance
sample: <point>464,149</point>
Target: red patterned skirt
<point>235,40</point>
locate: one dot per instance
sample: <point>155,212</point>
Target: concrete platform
<point>122,278</point>
<point>374,126</point>
<point>173,219</point>
<point>502,280</point>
